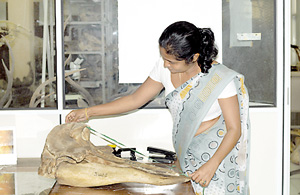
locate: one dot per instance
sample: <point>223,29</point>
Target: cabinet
<point>90,33</point>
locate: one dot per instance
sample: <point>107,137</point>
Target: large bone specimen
<point>295,146</point>
<point>71,159</point>
<point>295,155</point>
<point>34,101</point>
<point>9,73</point>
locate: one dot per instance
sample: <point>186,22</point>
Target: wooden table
<point>125,188</point>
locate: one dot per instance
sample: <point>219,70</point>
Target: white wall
<point>152,127</point>
<point>31,129</point>
<point>266,151</point>
<point>140,23</point>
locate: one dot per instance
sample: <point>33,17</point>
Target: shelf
<point>84,23</point>
<point>259,104</point>
<point>83,52</point>
<point>91,84</point>
<point>295,74</point>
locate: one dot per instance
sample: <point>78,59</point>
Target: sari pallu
<point>188,105</point>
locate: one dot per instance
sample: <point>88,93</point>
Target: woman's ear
<point>195,57</point>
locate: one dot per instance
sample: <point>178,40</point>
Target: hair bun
<point>209,50</point>
<point>207,32</point>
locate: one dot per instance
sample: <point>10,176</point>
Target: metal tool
<point>168,156</point>
<point>118,152</point>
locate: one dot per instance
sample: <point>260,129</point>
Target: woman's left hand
<point>205,173</point>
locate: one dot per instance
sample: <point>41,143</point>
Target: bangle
<point>87,117</point>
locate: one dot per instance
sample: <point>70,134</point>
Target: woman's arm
<point>231,114</point>
<point>141,96</point>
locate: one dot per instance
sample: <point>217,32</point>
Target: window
<point>27,54</point>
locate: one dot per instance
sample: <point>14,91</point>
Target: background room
<point>43,42</point>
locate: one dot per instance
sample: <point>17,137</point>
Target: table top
<point>24,179</point>
<point>125,188</point>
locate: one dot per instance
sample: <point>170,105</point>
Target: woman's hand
<point>77,115</point>
<point>205,173</point>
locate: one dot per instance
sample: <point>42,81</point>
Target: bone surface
<point>71,159</point>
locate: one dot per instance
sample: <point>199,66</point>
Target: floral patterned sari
<point>188,105</point>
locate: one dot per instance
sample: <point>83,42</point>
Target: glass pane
<point>249,46</point>
<point>27,54</point>
<point>91,48</point>
<point>91,45</point>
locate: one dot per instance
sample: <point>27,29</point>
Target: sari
<point>188,105</point>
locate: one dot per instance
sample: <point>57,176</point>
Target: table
<point>125,188</point>
<point>24,179</point>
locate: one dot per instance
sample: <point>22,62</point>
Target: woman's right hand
<point>77,116</point>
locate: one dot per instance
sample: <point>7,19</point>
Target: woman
<point>209,106</point>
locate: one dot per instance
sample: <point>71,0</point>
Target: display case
<point>90,30</point>
<point>27,54</point>
<point>91,58</point>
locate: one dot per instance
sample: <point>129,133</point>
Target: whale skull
<point>71,159</point>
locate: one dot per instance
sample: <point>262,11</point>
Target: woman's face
<point>170,62</point>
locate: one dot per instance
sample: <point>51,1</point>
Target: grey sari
<point>188,105</point>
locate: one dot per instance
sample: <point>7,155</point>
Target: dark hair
<point>183,40</point>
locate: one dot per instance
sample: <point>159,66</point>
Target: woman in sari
<point>209,106</point>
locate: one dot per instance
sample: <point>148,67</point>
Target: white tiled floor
<point>295,181</point>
